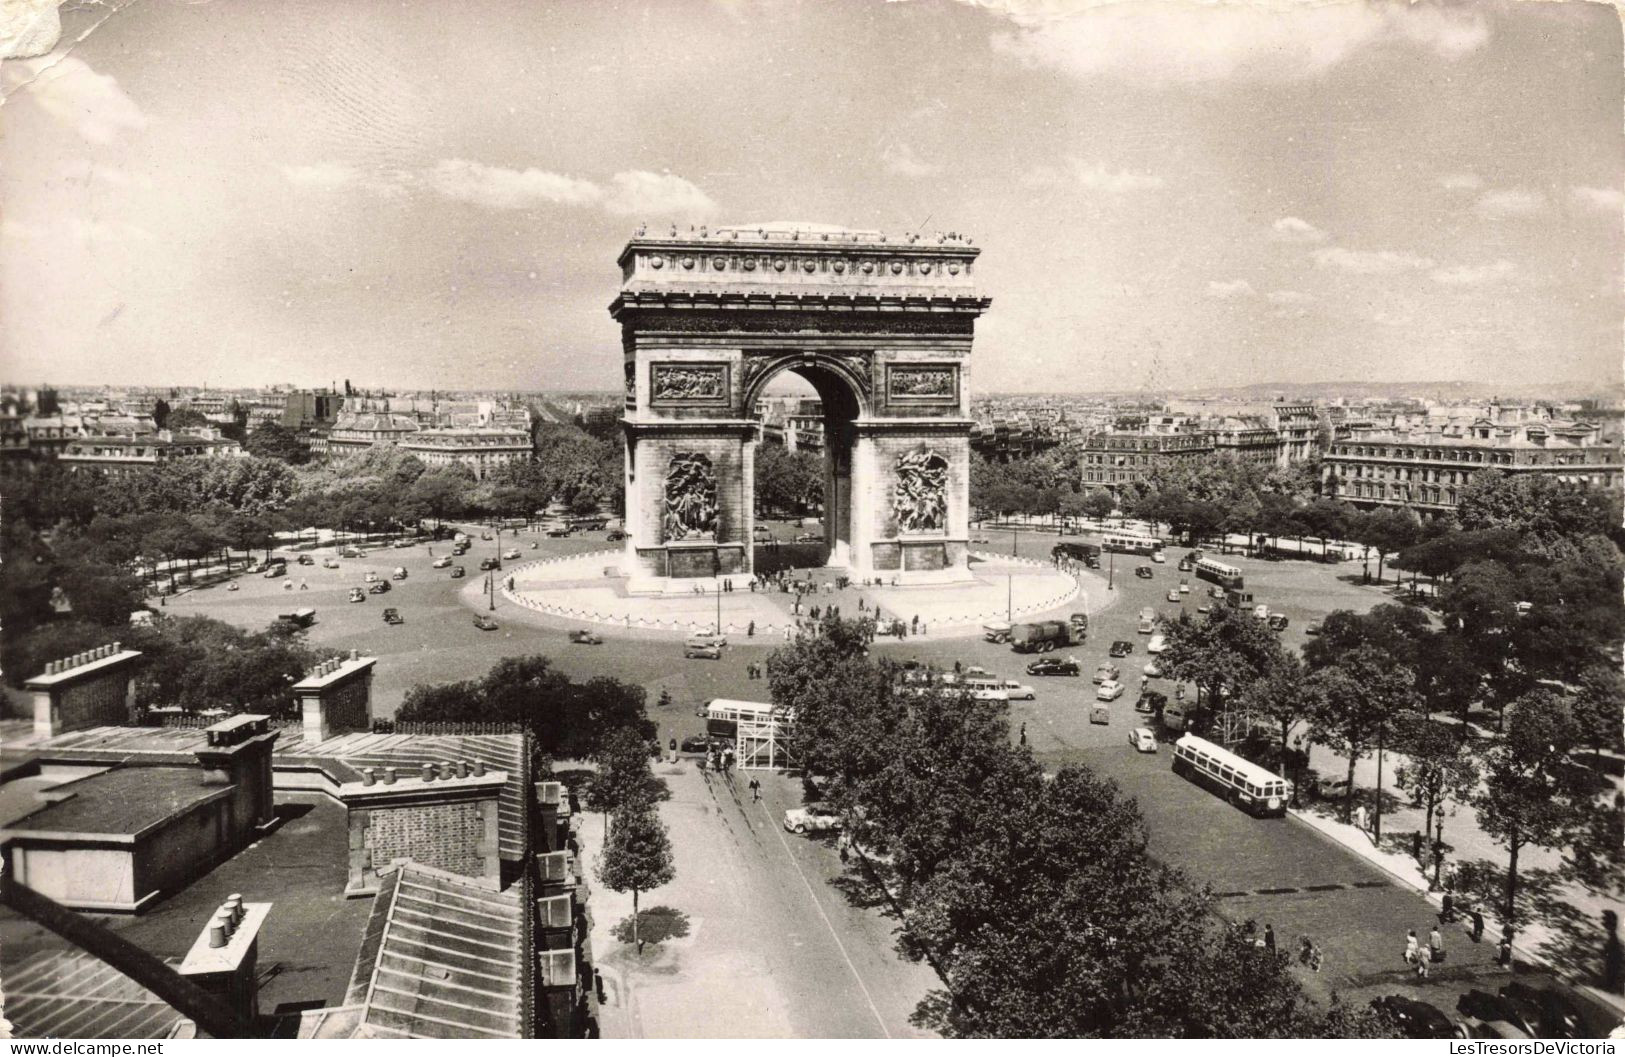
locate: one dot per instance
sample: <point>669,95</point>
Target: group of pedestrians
<point>754,671</point>
<point>1422,958</point>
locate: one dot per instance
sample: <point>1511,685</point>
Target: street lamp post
<point>490,576</point>
<point>1009,598</point>
<point>1111,570</point>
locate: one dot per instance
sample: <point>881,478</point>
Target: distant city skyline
<point>1169,198</point>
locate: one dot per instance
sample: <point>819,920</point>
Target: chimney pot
<point>465,769</point>
<point>479,768</point>
<point>389,776</point>
<point>355,655</point>
<point>217,932</point>
<point>428,772</point>
<point>118,647</point>
<point>449,769</point>
<point>368,777</point>
<point>234,903</point>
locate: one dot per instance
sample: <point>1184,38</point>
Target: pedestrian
<point>1269,938</point>
<point>750,629</point>
<point>1478,923</point>
<point>755,790</point>
<point>1416,846</point>
<point>1422,962</point>
<point>1503,956</point>
<point>1447,912</point>
<point>1024,734</point>
<point>1435,945</point>
<point>1410,947</point>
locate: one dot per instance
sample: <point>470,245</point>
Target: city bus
<point>1226,576</point>
<point>1245,784</point>
<point>1126,543</point>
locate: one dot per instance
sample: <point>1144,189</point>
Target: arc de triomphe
<point>881,327</point>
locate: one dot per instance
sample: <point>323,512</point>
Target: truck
<point>1044,635</point>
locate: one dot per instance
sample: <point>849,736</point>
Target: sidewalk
<point>1564,933</point>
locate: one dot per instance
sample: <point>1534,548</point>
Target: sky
<point>423,194</point>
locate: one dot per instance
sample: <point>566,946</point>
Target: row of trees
<point>1035,899</point>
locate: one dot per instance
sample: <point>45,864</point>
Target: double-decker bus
<point>1226,576</point>
<point>1245,784</point>
<point>1127,543</point>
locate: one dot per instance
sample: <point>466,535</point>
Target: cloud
<point>1288,297</point>
<point>331,176</point>
<point>88,102</point>
<point>640,193</point>
<point>1230,290</point>
<point>499,188</point>
<point>1606,199</point>
<point>1092,176</point>
<point>1369,262</point>
<point>1517,202</point>
<point>1161,41</point>
<point>1291,229</point>
<point>900,160</point>
<point>1460,181</point>
<point>1473,274</point>
<point>631,193</point>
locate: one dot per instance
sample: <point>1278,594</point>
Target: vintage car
<point>357,595</point>
<point>1054,666</point>
<point>458,572</point>
<point>485,623</point>
<point>393,616</point>
<point>380,588</point>
<point>812,818</point>
<point>585,638</point>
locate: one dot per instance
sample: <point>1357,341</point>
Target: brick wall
<point>447,836</point>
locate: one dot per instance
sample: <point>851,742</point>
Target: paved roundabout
<point>573,590</point>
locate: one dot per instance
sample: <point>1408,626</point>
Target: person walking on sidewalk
<point>1269,938</point>
<point>1435,945</point>
<point>1410,947</point>
<point>755,790</point>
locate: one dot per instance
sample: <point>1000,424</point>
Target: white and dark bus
<point>1245,784</point>
<point>1127,543</point>
<point>1226,576</point>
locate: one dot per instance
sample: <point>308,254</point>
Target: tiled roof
<point>440,959</point>
<point>73,995</point>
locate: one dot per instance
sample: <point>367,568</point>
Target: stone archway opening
<point>805,408</point>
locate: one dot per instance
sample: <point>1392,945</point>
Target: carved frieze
<point>922,382</point>
<point>691,499</point>
<point>801,322</point>
<point>920,492</point>
<point>631,383</point>
<point>688,383</point>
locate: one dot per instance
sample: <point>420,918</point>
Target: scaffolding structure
<point>760,731</point>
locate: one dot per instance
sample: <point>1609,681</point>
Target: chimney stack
<point>223,960</point>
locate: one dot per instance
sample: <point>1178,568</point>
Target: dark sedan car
<point>1122,648</point>
<point>380,588</point>
<point>585,638</point>
<point>1054,666</point>
<point>695,744</point>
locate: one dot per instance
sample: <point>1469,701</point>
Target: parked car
<point>393,616</point>
<point>556,531</point>
<point>305,559</point>
<point>1144,572</point>
<point>350,552</point>
<point>1261,612</point>
<point>399,573</point>
<point>1204,608</point>
<point>1185,565</point>
<point>585,638</point>
<point>706,639</point>
<point>1184,585</point>
<point>487,564</point>
<point>1142,739</point>
<point>1157,557</point>
<point>1110,690</point>
<point>276,570</point>
<point>357,595</point>
<point>380,588</point>
<point>485,535</point>
<point>812,818</point>
<point>330,563</point>
<point>709,651</point>
<point>1416,1019</point>
<point>1173,594</point>
<point>695,743</point>
<point>1158,643</point>
<point>458,572</point>
<point>403,544</point>
<point>615,536</point>
<point>1154,670</point>
<point>510,555</point>
<point>1122,648</point>
<point>1019,691</point>
<point>1278,622</point>
<point>442,562</point>
<point>371,577</point>
<point>809,537</point>
<point>484,623</point>
<point>1311,629</point>
<point>1216,593</point>
<point>1106,672</point>
<point>233,586</point>
<point>980,539</point>
<point>1054,666</point>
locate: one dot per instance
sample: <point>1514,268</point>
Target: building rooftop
<point>440,959</point>
<point>68,994</point>
<point>124,801</point>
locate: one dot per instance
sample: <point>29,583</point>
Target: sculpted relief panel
<point>688,383</point>
<point>691,499</point>
<point>922,382</point>
<point>920,496</point>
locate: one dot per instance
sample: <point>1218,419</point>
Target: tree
<point>1222,653</point>
<point>160,412</point>
<point>272,440</point>
<point>1278,694</point>
<point>1598,703</point>
<point>1098,504</point>
<point>1439,769</point>
<point>1532,793</point>
<point>637,857</point>
<point>623,778</point>
<point>1344,718</point>
<point>187,418</point>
